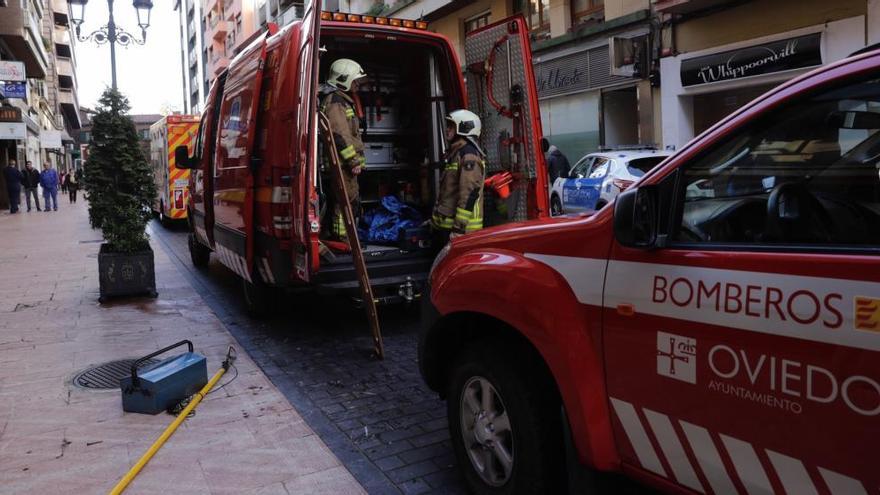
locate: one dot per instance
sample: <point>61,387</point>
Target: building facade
<point>39,108</point>
<point>193,53</point>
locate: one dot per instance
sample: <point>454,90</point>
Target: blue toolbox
<point>160,386</point>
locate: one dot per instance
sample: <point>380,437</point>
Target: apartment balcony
<point>20,30</point>
<point>687,6</point>
<point>209,5</point>
<point>66,73</point>
<point>218,66</point>
<point>70,107</point>
<point>218,28</point>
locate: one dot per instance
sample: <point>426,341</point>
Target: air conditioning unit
<point>629,56</point>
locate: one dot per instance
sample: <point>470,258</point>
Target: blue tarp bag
<point>382,224</point>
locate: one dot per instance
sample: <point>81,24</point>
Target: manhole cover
<point>107,375</point>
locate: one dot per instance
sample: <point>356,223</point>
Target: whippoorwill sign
<point>766,58</point>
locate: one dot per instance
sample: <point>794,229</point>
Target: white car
<point>597,178</point>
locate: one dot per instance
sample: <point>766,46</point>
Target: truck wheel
<point>505,425</point>
<point>198,253</point>
<point>555,206</point>
<point>163,219</point>
<point>258,297</point>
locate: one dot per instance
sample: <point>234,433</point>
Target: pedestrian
<point>13,185</point>
<point>72,186</point>
<point>62,180</point>
<point>49,181</point>
<point>459,206</point>
<point>338,105</point>
<point>557,162</point>
<point>30,179</point>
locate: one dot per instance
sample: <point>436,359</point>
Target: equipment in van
<point>500,183</point>
<point>157,387</point>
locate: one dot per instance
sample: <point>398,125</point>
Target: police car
<point>597,178</point>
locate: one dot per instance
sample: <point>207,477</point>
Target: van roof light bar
<point>368,19</point>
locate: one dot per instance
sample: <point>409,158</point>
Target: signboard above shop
<point>50,139</point>
<point>766,58</point>
<point>10,114</point>
<point>13,130</point>
<point>14,90</point>
<point>12,71</point>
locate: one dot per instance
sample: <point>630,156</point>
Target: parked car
<point>597,178</point>
<point>716,331</point>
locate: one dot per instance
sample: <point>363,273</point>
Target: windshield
<point>640,166</point>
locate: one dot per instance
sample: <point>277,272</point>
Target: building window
<point>238,23</point>
<point>476,22</point>
<point>537,14</point>
<point>586,10</point>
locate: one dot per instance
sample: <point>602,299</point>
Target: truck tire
<point>198,253</point>
<point>505,424</point>
<point>258,297</point>
<point>163,218</point>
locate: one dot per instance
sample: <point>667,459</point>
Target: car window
<point>640,166</point>
<point>807,173</point>
<point>599,168</point>
<point>579,171</point>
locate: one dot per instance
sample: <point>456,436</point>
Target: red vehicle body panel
<point>602,316</point>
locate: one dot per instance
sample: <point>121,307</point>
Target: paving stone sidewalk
<point>57,438</point>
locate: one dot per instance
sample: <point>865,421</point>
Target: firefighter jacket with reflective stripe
<point>339,109</point>
<point>459,205</point>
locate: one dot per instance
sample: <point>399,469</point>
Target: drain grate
<point>107,375</point>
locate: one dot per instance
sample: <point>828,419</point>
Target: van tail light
<point>282,219</point>
<point>622,184</point>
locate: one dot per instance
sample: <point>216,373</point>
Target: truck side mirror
<point>181,158</point>
<point>636,217</point>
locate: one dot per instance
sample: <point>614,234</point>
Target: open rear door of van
<point>502,91</point>
<point>236,168</point>
<point>306,219</point>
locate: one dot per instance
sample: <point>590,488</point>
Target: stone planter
<point>126,274</point>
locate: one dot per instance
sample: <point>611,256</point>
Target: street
<point>378,417</point>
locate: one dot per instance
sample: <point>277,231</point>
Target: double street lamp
<point>111,33</point>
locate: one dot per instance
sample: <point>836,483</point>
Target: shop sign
<point>766,58</point>
<point>10,114</point>
<point>50,139</point>
<point>13,130</point>
<point>12,71</point>
<point>563,75</point>
<point>14,90</point>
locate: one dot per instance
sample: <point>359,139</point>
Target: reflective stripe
<point>637,436</point>
<point>463,215</point>
<point>347,153</point>
<point>452,166</point>
<point>349,113</point>
<point>442,222</point>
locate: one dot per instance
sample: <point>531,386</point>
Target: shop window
<point>537,14</point>
<point>584,11</point>
<point>476,22</point>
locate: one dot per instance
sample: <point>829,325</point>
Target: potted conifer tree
<point>120,188</point>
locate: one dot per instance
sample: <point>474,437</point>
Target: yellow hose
<point>130,475</point>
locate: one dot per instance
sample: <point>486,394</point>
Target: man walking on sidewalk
<point>13,185</point>
<point>49,181</point>
<point>30,179</point>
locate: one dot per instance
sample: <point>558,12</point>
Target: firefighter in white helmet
<point>459,206</point>
<point>338,105</point>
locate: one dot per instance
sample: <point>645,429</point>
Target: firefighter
<point>338,105</point>
<point>459,206</point>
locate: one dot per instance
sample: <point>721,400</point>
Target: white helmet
<point>343,72</point>
<point>466,123</point>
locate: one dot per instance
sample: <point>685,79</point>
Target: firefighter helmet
<point>467,123</point>
<point>343,72</point>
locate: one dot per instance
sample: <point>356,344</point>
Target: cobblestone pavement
<point>56,438</point>
<point>378,417</point>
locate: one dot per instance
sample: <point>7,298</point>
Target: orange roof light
<point>395,22</point>
<point>409,24</point>
<point>382,21</point>
<point>368,19</point>
<point>421,25</point>
<point>353,18</point>
<point>326,16</point>
<point>338,16</point>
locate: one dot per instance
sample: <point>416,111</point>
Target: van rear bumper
<point>399,280</point>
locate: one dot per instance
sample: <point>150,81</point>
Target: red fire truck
<point>260,188</point>
<point>714,330</point>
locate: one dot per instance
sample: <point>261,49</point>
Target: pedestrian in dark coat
<point>72,186</point>
<point>30,179</point>
<point>49,181</point>
<point>13,185</point>
<point>557,164</point>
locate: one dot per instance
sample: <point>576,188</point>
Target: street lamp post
<point>111,33</point>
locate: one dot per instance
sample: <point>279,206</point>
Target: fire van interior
<point>403,99</point>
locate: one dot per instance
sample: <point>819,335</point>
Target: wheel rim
<point>486,432</point>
